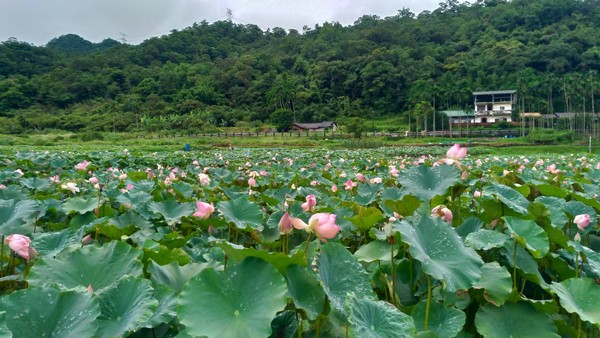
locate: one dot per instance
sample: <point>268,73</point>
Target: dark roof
<point>316,125</point>
<point>495,92</point>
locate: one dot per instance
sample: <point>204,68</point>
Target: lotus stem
<point>577,265</point>
<point>578,327</point>
<point>515,266</point>
<point>307,241</point>
<point>426,325</point>
<point>393,277</point>
<point>2,257</point>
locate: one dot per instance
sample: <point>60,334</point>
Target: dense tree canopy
<point>227,74</point>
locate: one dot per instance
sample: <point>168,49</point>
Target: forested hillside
<point>226,74</point>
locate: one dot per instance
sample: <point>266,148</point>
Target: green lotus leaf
<point>134,199</point>
<point>484,239</point>
<point>172,210</point>
<point>130,218</point>
<point>238,302</point>
<point>367,193</point>
<point>510,197</point>
<point>405,206</point>
<point>4,331</point>
<point>46,311</point>
<point>471,224</point>
<point>581,296</point>
<point>162,255</point>
<point>525,262</point>
<point>496,281</point>
<point>242,213</point>
<point>35,183</point>
<point>278,259</point>
<point>443,321</point>
<point>442,253</point>
<point>550,190</point>
<point>53,243</point>
<point>305,290</point>
<point>284,325</point>
<point>99,267</point>
<point>81,205</point>
<point>125,306</point>
<point>174,275</point>
<point>592,259</point>
<point>366,218</point>
<point>14,213</point>
<point>375,251</point>
<point>427,182</point>
<point>513,320</point>
<point>529,234</point>
<point>555,206</point>
<point>167,306</point>
<point>183,189</point>
<point>575,208</point>
<point>378,319</point>
<point>341,274</point>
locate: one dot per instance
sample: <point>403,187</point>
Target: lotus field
<point>299,243</point>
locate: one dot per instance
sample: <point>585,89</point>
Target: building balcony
<point>492,112</point>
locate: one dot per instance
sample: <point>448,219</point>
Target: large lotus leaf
<point>14,213</point>
<point>341,274</point>
<point>279,260</point>
<point>510,197</point>
<point>484,239</point>
<point>367,193</point>
<point>525,262</point>
<point>174,275</point>
<point>376,251</point>
<point>378,319</point>
<point>470,225</point>
<point>555,206</point>
<point>285,325</point>
<point>552,191</point>
<point>405,206</point>
<point>443,321</point>
<point>305,290</point>
<point>125,306</point>
<point>53,243</point>
<point>80,204</point>
<point>238,302</point>
<point>529,234</point>
<point>581,296</point>
<point>427,182</point>
<point>172,211</point>
<point>130,218</point>
<point>167,306</point>
<point>366,218</point>
<point>97,266</point>
<point>496,281</point>
<point>183,189</point>
<point>513,320</point>
<point>36,183</point>
<point>592,259</point>
<point>48,312</point>
<point>4,331</point>
<point>442,253</point>
<point>242,213</point>
<point>134,199</point>
<point>162,255</point>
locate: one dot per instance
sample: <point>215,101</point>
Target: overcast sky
<point>39,21</point>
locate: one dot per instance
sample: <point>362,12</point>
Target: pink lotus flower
<point>71,187</point>
<point>334,188</point>
<point>310,203</point>
<point>86,240</point>
<point>55,179</point>
<point>251,182</point>
<point>582,221</point>
<point>349,185</point>
<point>21,245</point>
<point>93,180</point>
<point>455,154</point>
<point>204,179</point>
<point>204,210</point>
<point>285,223</point>
<point>376,180</point>
<point>361,177</point>
<point>82,166</point>
<point>477,193</point>
<point>322,224</point>
<point>443,212</point>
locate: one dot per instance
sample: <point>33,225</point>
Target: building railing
<point>492,112</point>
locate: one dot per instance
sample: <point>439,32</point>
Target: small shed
<point>316,126</point>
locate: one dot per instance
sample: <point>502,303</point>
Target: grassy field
<point>493,146</point>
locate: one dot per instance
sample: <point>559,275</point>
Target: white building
<point>494,106</point>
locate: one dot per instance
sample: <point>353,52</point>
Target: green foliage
<point>282,119</point>
<point>356,126</point>
<point>549,136</point>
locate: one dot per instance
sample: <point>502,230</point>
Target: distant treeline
<point>226,74</point>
